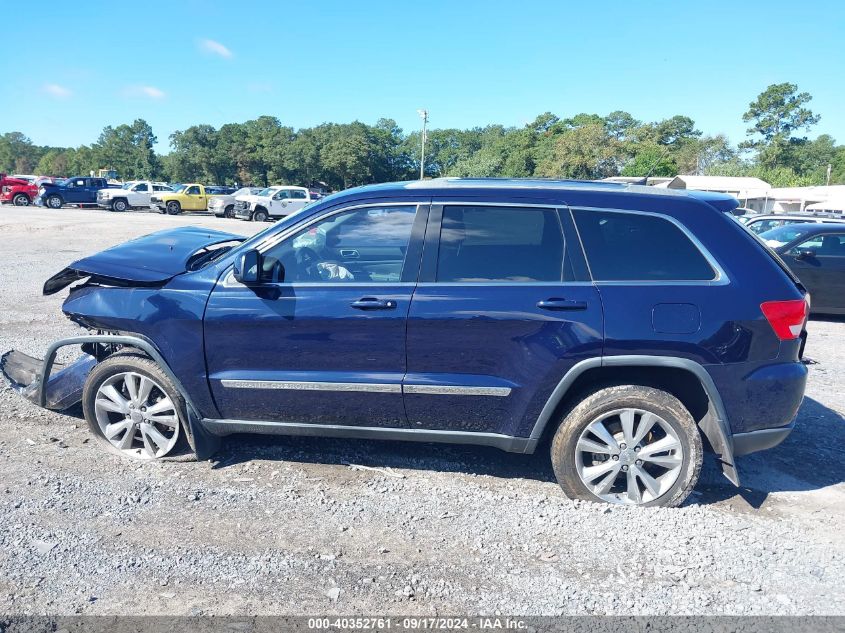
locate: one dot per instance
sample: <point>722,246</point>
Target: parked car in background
<point>218,190</point>
<point>190,197</point>
<point>766,222</point>
<point>816,254</point>
<point>223,206</point>
<point>135,194</point>
<point>500,313</point>
<point>28,177</point>
<point>272,203</point>
<point>17,191</point>
<point>76,190</point>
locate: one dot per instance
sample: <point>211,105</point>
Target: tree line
<point>263,151</point>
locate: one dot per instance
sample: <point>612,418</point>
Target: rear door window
<point>500,244</point>
<point>638,247</point>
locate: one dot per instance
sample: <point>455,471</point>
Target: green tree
<point>129,150</point>
<point>584,152</point>
<point>651,160</point>
<point>776,115</point>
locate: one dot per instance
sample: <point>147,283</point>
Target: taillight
<point>787,318</point>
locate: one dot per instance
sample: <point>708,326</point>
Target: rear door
<point>819,263</point>
<point>498,318</point>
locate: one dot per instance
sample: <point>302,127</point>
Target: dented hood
<point>145,261</point>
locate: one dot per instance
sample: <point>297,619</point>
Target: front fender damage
<point>63,387</point>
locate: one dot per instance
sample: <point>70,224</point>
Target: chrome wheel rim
<point>55,203</point>
<point>21,201</point>
<point>629,456</point>
<point>136,416</point>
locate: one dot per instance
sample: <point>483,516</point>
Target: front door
<point>322,340</point>
<point>195,199</point>
<point>819,263</point>
<point>496,321</point>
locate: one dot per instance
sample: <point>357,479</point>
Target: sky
<point>79,66</point>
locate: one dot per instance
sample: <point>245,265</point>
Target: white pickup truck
<point>272,203</point>
<point>134,194</point>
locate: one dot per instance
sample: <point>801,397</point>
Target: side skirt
<point>504,442</point>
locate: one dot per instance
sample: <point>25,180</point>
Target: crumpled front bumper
<point>63,388</point>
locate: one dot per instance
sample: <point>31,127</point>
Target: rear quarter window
<point>623,246</point>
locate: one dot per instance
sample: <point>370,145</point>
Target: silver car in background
<point>224,206</point>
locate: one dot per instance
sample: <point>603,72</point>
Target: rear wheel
<point>260,215</point>
<point>174,208</point>
<point>21,200</point>
<point>119,205</point>
<point>629,445</point>
<point>54,202</point>
<point>133,409</point>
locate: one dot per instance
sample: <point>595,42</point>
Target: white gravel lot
<point>287,526</point>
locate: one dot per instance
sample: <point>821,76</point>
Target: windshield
<point>179,188</point>
<point>783,234</point>
<point>266,193</point>
<point>127,185</point>
<point>242,191</point>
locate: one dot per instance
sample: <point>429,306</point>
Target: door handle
<point>349,253</point>
<point>557,303</point>
<point>371,303</point>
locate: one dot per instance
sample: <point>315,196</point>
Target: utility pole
<point>829,167</point>
<point>424,116</point>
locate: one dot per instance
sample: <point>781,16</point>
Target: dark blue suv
<point>628,328</point>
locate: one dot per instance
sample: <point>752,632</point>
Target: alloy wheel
<point>21,201</point>
<point>136,415</point>
<point>629,456</point>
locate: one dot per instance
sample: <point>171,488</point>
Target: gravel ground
<point>295,526</point>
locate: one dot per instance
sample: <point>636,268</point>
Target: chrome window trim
<point>721,278</point>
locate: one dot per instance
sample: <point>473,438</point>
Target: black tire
<point>260,215</point>
<point>119,205</point>
<point>124,362</point>
<point>21,200</point>
<point>229,212</point>
<point>661,403</point>
<point>173,208</point>
<point>54,202</point>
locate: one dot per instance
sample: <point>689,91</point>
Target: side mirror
<point>247,269</point>
<point>806,254</point>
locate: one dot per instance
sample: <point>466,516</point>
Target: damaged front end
<point>148,262</point>
<point>61,390</point>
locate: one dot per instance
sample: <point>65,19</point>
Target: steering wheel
<point>306,264</point>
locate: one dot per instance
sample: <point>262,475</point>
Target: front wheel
<point>260,216</point>
<point>119,205</point>
<point>229,212</point>
<point>21,200</point>
<point>174,208</point>
<point>629,445</point>
<point>133,409</point>
<point>54,202</point>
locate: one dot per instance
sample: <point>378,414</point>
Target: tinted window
<point>511,244</point>
<point>193,191</point>
<point>298,195</point>
<point>142,187</point>
<point>365,245</point>
<point>823,246</point>
<point>635,247</point>
<point>282,195</point>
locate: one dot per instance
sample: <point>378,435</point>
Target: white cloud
<point>56,91</point>
<point>214,48</point>
<point>149,92</point>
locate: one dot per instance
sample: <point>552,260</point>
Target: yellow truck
<point>190,197</point>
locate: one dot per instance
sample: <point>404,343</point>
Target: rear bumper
<point>761,396</point>
<point>764,439</point>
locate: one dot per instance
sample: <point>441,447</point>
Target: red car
<point>19,192</point>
